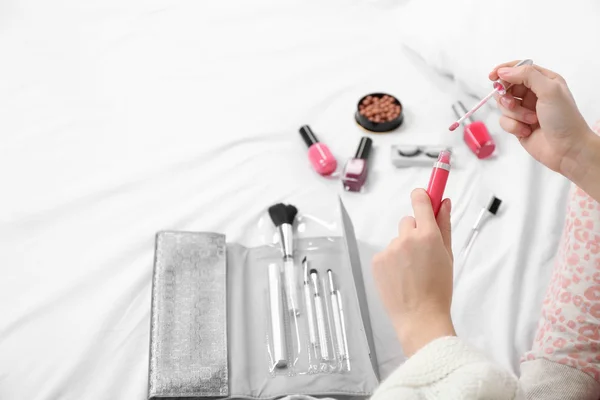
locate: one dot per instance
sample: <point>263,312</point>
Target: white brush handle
<point>277,331</point>
<point>343,321</point>
<point>321,328</point>
<point>310,316</point>
<point>337,322</point>
<point>291,289</point>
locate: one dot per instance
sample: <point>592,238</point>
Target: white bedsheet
<point>121,118</point>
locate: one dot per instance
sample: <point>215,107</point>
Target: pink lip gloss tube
<point>438,179</point>
<point>319,155</point>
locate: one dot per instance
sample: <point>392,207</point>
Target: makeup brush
<point>320,314</point>
<point>283,216</point>
<point>337,318</point>
<point>312,336</point>
<point>490,210</point>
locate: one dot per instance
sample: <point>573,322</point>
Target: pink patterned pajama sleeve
<point>569,330</point>
<point>567,341</point>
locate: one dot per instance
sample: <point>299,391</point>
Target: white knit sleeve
<point>449,369</point>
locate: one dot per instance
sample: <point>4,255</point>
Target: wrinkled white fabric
<point>120,118</point>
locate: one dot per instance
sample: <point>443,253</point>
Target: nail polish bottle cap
<point>364,148</point>
<point>308,135</point>
<point>460,110</point>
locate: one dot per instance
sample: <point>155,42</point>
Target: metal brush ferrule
<point>305,272</point>
<point>286,239</point>
<point>331,287</point>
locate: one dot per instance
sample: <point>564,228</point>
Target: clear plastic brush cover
<point>314,340</point>
<point>308,336</point>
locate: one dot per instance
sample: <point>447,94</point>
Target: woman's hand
<point>414,275</point>
<point>540,110</point>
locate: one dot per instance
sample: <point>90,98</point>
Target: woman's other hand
<point>540,111</point>
<point>414,275</point>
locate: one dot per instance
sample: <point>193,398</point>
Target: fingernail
<point>531,118</point>
<point>449,205</point>
<point>505,71</point>
<point>506,102</point>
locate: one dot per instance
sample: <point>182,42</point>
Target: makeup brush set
<point>283,318</point>
<point>307,336</point>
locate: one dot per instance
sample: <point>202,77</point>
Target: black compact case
<point>379,127</point>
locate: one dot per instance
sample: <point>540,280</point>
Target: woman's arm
<point>564,361</point>
<point>414,275</point>
<point>414,278</point>
<point>583,168</point>
<point>449,369</point>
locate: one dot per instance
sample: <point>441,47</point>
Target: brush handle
<point>277,331</point>
<point>286,237</point>
<point>337,323</point>
<point>291,289</point>
<point>310,316</point>
<point>464,254</point>
<point>343,322</point>
<point>321,328</point>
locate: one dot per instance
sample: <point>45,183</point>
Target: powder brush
<point>283,216</point>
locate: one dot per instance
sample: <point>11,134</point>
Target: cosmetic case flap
<point>188,338</point>
<point>359,283</point>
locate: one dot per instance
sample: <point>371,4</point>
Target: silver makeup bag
<point>209,319</point>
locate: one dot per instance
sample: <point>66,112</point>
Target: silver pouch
<point>188,343</point>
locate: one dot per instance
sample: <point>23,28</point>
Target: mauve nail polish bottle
<point>476,134</point>
<point>356,169</point>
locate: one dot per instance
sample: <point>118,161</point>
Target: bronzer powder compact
<point>379,112</point>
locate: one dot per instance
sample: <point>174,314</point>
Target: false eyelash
<point>432,154</point>
<point>414,153</point>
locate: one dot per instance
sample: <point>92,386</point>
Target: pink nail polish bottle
<point>476,134</point>
<point>356,169</point>
<point>319,155</point>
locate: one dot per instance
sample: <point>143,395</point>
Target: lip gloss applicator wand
<point>438,179</point>
<point>500,87</point>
